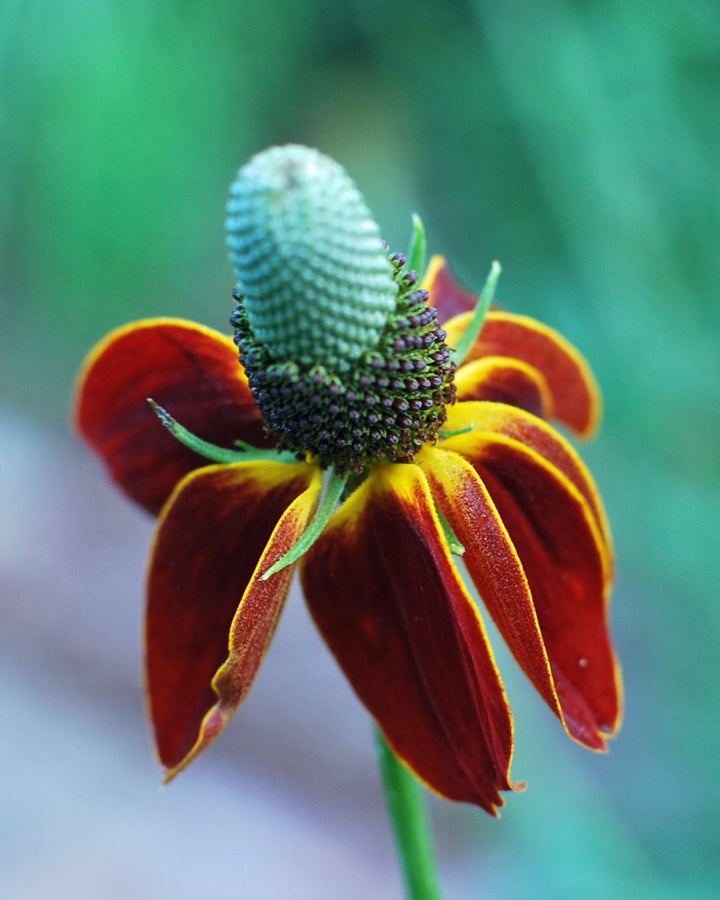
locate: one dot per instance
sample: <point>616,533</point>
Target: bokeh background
<point>577,141</point>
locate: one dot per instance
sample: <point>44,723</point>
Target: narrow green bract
<point>316,283</point>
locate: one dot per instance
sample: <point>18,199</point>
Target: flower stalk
<point>410,824</point>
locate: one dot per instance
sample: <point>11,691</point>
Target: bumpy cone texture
<point>391,402</point>
<point>313,273</point>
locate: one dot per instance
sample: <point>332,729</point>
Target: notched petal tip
<point>212,725</point>
<point>565,559</point>
<point>210,617</point>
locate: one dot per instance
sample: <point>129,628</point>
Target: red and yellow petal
<point>501,379</point>
<point>575,395</point>
<point>491,560</point>
<point>389,602</point>
<point>574,391</point>
<point>210,617</point>
<point>447,295</point>
<point>485,419</point>
<point>190,370</point>
<point>565,559</point>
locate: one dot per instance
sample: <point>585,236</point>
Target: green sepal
<point>332,492</point>
<point>446,433</point>
<point>417,251</point>
<point>248,453</point>
<point>473,330</point>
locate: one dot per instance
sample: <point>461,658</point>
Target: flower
<point>499,487</point>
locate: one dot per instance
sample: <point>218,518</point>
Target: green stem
<point>410,824</point>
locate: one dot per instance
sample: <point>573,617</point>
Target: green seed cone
<point>313,272</point>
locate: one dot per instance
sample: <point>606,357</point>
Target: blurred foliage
<point>577,141</point>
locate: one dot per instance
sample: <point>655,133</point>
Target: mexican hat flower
<point>358,440</point>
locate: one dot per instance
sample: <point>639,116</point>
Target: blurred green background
<point>578,142</point>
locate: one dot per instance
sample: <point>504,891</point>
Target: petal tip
<point>213,724</point>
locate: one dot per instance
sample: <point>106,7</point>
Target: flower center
<point>344,356</point>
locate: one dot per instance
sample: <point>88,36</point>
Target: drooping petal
<point>491,560</point>
<point>564,556</point>
<point>389,602</point>
<point>501,379</point>
<point>533,432</point>
<point>193,372</point>
<point>209,617</point>
<point>574,391</point>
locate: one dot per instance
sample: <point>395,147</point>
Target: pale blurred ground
<point>287,803</point>
<point>277,811</point>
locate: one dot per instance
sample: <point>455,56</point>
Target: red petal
<point>575,395</point>
<point>193,372</point>
<point>491,560</point>
<point>574,391</point>
<point>486,419</point>
<point>503,380</point>
<point>223,526</point>
<point>564,556</point>
<point>448,296</point>
<point>391,606</point>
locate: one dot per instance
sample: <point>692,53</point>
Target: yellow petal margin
<point>480,420</point>
<point>576,399</point>
<point>386,596</point>
<point>221,530</point>
<point>501,379</point>
<point>546,505</point>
